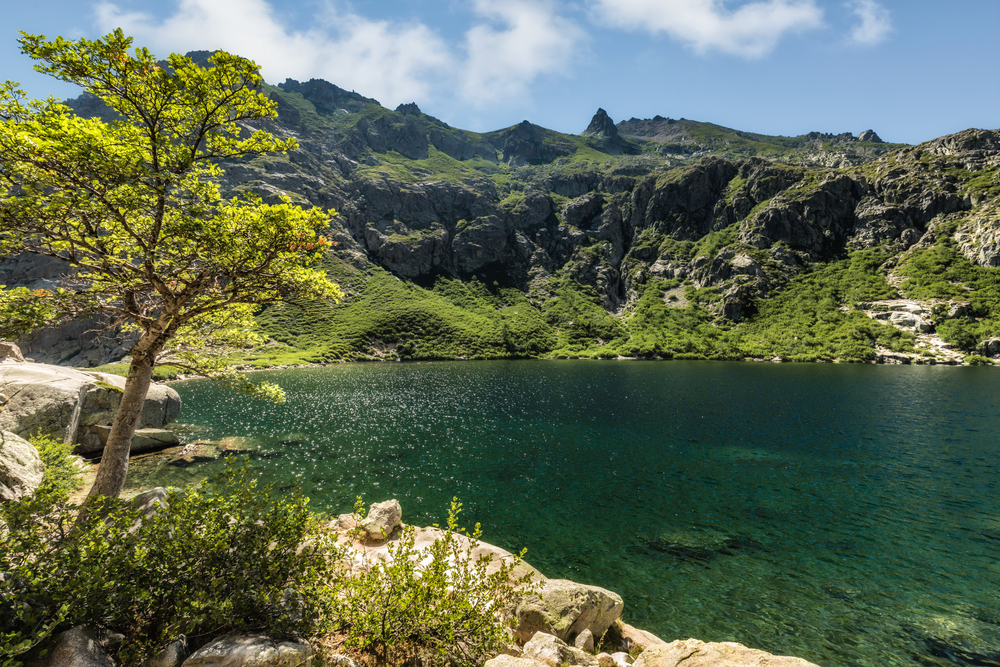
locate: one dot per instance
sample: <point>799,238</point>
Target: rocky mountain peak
<point>870,136</point>
<point>601,126</point>
<point>410,109</point>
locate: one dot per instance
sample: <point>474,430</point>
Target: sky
<point>912,70</point>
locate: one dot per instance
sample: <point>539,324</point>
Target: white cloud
<point>522,40</point>
<point>390,62</point>
<point>751,30</point>
<point>874,24</point>
<point>507,47</point>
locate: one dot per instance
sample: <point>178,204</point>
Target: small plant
<point>438,603</point>
<point>978,360</point>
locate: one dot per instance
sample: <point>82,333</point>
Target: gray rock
<point>21,470</point>
<point>870,136</point>
<point>622,659</point>
<point>143,440</point>
<point>10,351</point>
<point>991,347</point>
<point>82,646</point>
<point>565,608</point>
<point>585,641</point>
<point>172,656</point>
<point>42,399</point>
<point>382,519</point>
<point>256,650</point>
<point>554,652</point>
<point>337,660</point>
<point>511,661</point>
<point>695,653</point>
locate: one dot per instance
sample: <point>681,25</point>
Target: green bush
<point>978,360</point>
<point>439,605</point>
<point>225,556</point>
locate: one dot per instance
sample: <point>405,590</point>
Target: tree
<point>133,206</point>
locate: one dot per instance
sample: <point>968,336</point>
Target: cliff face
<point>618,209</point>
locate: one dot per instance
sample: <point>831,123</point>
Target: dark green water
<point>849,515</point>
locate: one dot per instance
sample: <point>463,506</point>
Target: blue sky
<point>912,70</point>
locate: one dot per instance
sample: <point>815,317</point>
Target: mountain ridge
<point>524,241</point>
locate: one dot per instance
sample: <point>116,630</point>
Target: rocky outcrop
<point>255,650</point>
<point>554,652</point>
<point>979,237</point>
<point>21,470</point>
<point>565,608</point>
<point>695,653</point>
<point>382,519</point>
<point>43,399</point>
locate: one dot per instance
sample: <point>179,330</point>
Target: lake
<point>845,514</point>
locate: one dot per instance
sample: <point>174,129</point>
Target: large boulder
<point>565,608</point>
<point>696,653</point>
<point>383,518</point>
<point>21,470</point>
<point>554,652</point>
<point>42,399</point>
<point>82,646</point>
<point>256,650</point>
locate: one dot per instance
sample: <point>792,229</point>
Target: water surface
<point>844,514</point>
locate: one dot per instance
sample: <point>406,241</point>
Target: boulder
<point>585,641</point>
<point>171,656</point>
<point>10,351</point>
<point>640,638</point>
<point>382,519</point>
<point>565,609</point>
<point>43,399</point>
<point>21,470</point>
<point>255,650</point>
<point>696,653</point>
<point>991,347</point>
<point>143,440</point>
<point>82,646</point>
<point>511,661</point>
<point>554,652</point>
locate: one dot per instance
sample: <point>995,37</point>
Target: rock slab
<point>696,653</point>
<point>256,650</point>
<point>43,398</point>
<point>565,609</point>
<point>21,470</point>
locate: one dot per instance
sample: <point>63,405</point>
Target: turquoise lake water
<point>846,514</point>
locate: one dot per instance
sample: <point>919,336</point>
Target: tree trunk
<point>114,461</point>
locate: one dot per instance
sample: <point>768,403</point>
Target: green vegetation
<point>941,272</point>
<point>230,556</point>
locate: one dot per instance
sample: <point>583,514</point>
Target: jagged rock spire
<point>602,126</point>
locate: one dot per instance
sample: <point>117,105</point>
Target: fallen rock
<point>585,641</point>
<point>256,650</point>
<point>383,518</point>
<point>640,638</point>
<point>565,608</point>
<point>696,653</point>
<point>143,440</point>
<point>21,470</point>
<point>554,652</point>
<point>622,659</point>
<point>511,661</point>
<point>43,398</point>
<point>82,646</point>
<point>10,351</point>
<point>171,656</point>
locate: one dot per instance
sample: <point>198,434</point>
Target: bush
<point>225,556</point>
<point>439,605</point>
<point>978,360</point>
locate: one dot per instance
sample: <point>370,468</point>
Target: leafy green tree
<point>133,206</point>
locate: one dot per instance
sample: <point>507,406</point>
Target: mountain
<point>647,238</point>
